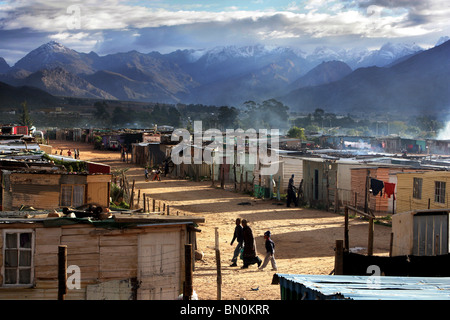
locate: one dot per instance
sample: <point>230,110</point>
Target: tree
<point>121,117</point>
<point>268,114</point>
<point>428,124</point>
<point>250,117</point>
<point>101,114</point>
<point>274,113</point>
<point>228,116</point>
<point>174,117</point>
<point>296,132</point>
<point>319,115</point>
<point>24,118</point>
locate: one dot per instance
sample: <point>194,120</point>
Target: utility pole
<point>62,272</point>
<point>188,290</point>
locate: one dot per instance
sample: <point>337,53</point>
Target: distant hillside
<point>60,82</point>
<point>417,85</point>
<point>52,55</point>
<point>13,97</point>
<point>324,73</point>
<point>4,67</point>
<point>228,75</point>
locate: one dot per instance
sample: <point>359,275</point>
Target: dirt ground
<point>304,238</point>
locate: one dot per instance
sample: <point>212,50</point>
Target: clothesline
<point>377,186</point>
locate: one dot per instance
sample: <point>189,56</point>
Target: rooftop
<point>334,287</point>
<point>117,219</point>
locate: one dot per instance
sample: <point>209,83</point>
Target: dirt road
<point>304,238</point>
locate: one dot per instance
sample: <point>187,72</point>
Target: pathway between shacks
<point>304,238</point>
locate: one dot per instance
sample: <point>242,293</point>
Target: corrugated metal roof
<point>323,287</point>
<point>116,219</point>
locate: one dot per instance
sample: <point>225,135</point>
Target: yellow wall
<point>405,200</point>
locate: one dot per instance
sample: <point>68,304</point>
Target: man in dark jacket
<point>249,254</point>
<point>291,197</point>
<point>238,236</point>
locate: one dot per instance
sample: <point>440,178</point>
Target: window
<point>417,188</point>
<point>439,191</point>
<point>18,257</point>
<point>72,195</point>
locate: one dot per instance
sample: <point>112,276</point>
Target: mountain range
<point>416,85</point>
<point>396,75</point>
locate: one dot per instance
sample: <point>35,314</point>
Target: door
<point>430,234</point>
<point>159,264</point>
<point>316,184</point>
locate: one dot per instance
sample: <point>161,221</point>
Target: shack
<point>317,175</point>
<point>289,165</point>
<point>421,232</point>
<point>423,189</point>
<point>398,144</point>
<point>124,257</point>
<point>52,190</point>
<point>150,153</point>
<point>381,202</point>
<point>438,146</point>
<point>323,287</point>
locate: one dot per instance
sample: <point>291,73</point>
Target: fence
<point>408,266</point>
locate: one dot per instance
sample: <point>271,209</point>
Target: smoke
<point>444,133</point>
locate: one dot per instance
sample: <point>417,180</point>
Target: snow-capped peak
<point>54,46</point>
<point>442,40</point>
<point>49,54</point>
<point>396,50</point>
<point>223,53</point>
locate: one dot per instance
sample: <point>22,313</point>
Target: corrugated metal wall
<point>430,234</point>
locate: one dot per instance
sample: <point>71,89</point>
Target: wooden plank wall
<point>97,194</point>
<point>102,255</point>
<point>291,166</point>
<point>406,202</point>
<point>36,190</point>
<point>378,203</point>
<point>42,191</point>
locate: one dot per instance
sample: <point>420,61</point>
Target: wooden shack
<point>288,166</point>
<point>360,186</point>
<point>149,154</point>
<point>52,190</point>
<point>438,146</point>
<point>424,189</point>
<point>119,258</point>
<point>421,232</point>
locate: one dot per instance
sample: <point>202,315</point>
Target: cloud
<point>113,25</point>
<point>94,15</point>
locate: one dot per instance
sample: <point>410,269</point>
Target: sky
<point>110,26</point>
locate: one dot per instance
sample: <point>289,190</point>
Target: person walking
<point>156,176</point>
<point>270,252</point>
<point>146,174</point>
<point>238,236</point>
<point>249,254</point>
<point>166,167</point>
<point>291,193</point>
